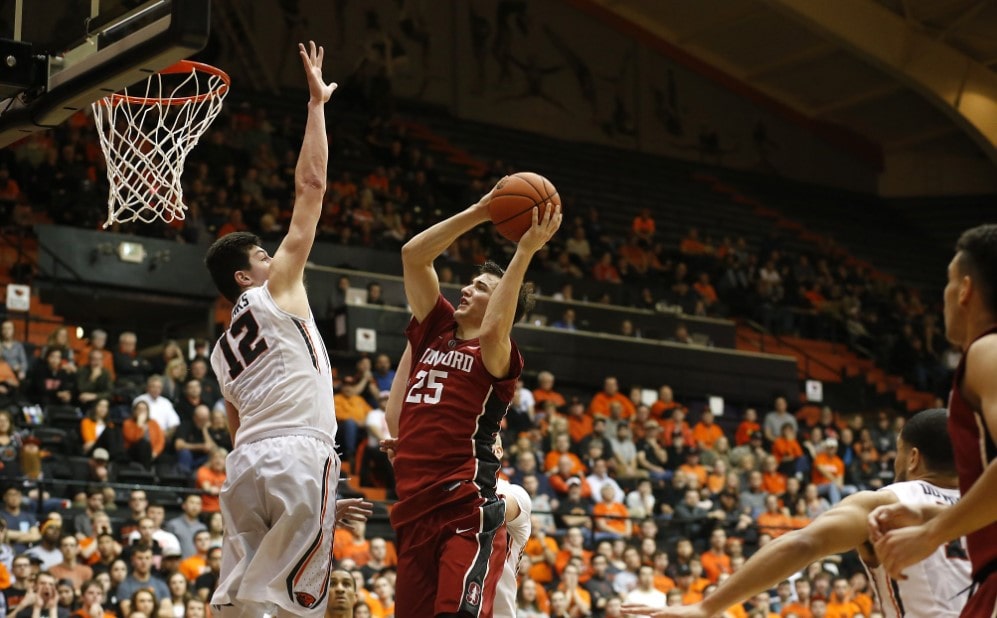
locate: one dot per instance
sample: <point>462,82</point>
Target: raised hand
<point>542,230</point>
<point>349,510</point>
<point>312,59</point>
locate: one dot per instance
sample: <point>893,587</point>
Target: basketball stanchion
<point>146,137</point>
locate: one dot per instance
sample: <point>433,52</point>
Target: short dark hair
<point>928,431</point>
<point>978,249</point>
<point>225,257</point>
<point>527,297</point>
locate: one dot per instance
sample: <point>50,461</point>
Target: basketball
<point>511,206</point>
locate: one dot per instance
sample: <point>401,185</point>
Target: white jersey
<point>936,587</point>
<point>519,533</point>
<point>273,367</point>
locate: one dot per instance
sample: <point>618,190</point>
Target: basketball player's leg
<point>296,478</point>
<point>415,586</point>
<point>471,562</point>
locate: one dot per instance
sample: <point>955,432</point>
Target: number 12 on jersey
<point>251,345</point>
<point>428,387</point>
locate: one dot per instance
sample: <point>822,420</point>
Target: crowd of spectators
<point>633,500</point>
<point>384,187</point>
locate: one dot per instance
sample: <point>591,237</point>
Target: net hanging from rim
<point>146,135</point>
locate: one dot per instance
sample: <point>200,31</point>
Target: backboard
<point>59,56</point>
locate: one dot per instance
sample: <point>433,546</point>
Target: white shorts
<point>279,507</point>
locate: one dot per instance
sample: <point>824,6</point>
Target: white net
<point>146,135</point>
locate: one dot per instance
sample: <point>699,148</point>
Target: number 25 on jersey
<point>428,387</point>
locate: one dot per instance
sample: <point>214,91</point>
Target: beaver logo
<point>305,599</point>
<point>473,596</point>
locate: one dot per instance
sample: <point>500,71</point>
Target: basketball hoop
<point>146,139</point>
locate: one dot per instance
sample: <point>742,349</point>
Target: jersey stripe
<point>300,568</point>
<point>492,515</point>
<point>308,342</point>
<point>895,594</point>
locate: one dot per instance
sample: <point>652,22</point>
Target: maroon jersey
<point>450,416</point>
<point>974,450</point>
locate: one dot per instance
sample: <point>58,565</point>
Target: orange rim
<point>183,66</point>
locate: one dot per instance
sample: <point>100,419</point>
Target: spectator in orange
<point>540,553</point>
<point>661,580</point>
<point>705,290</point>
<point>706,432</point>
<point>636,255</point>
<point>676,425</point>
<point>352,544</point>
<point>683,583</point>
<point>774,520</point>
<point>860,592</point>
<point>210,477</point>
<point>787,451</point>
<point>643,225</point>
<point>773,481</point>
<point>610,393</point>
<point>717,477</point>
<point>605,271</point>
<point>692,467</point>
<point>545,390</point>
<point>579,423</point>
<point>691,244</point>
<point>617,525</point>
<point>573,546</point>
<point>234,223</point>
<point>144,438</point>
<point>562,449</point>
<point>665,403</point>
<point>840,603</point>
<point>828,473</point>
<point>560,480</point>
<point>801,606</point>
<point>715,559</point>
<point>10,191</point>
<point>196,565</point>
<point>579,599</point>
<point>351,414</point>
<point>747,427</point>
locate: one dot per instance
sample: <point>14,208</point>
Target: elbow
<point>801,543</point>
<point>315,184</point>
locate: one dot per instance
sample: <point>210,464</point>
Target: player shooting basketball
<point>937,587</point>
<point>449,521</point>
<point>279,498</point>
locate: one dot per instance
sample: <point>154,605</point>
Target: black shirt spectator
<point>49,383</point>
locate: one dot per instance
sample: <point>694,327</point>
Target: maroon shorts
<point>450,561</point>
<point>983,602</point>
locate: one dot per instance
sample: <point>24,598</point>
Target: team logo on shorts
<point>473,594</point>
<point>305,599</point>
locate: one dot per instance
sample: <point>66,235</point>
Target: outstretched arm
<point>422,286</point>
<point>901,548</point>
<point>393,408</point>
<point>839,529</point>
<point>496,325</point>
<point>288,266</point>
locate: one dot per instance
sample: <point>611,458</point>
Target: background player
<point>970,323</point>
<point>448,519</point>
<point>279,498</point>
<point>925,473</point>
<point>518,508</point>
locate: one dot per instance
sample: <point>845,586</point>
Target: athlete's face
<point>259,268</point>
<point>474,299</point>
<point>901,462</point>
<point>341,590</point>
<point>954,295</point>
